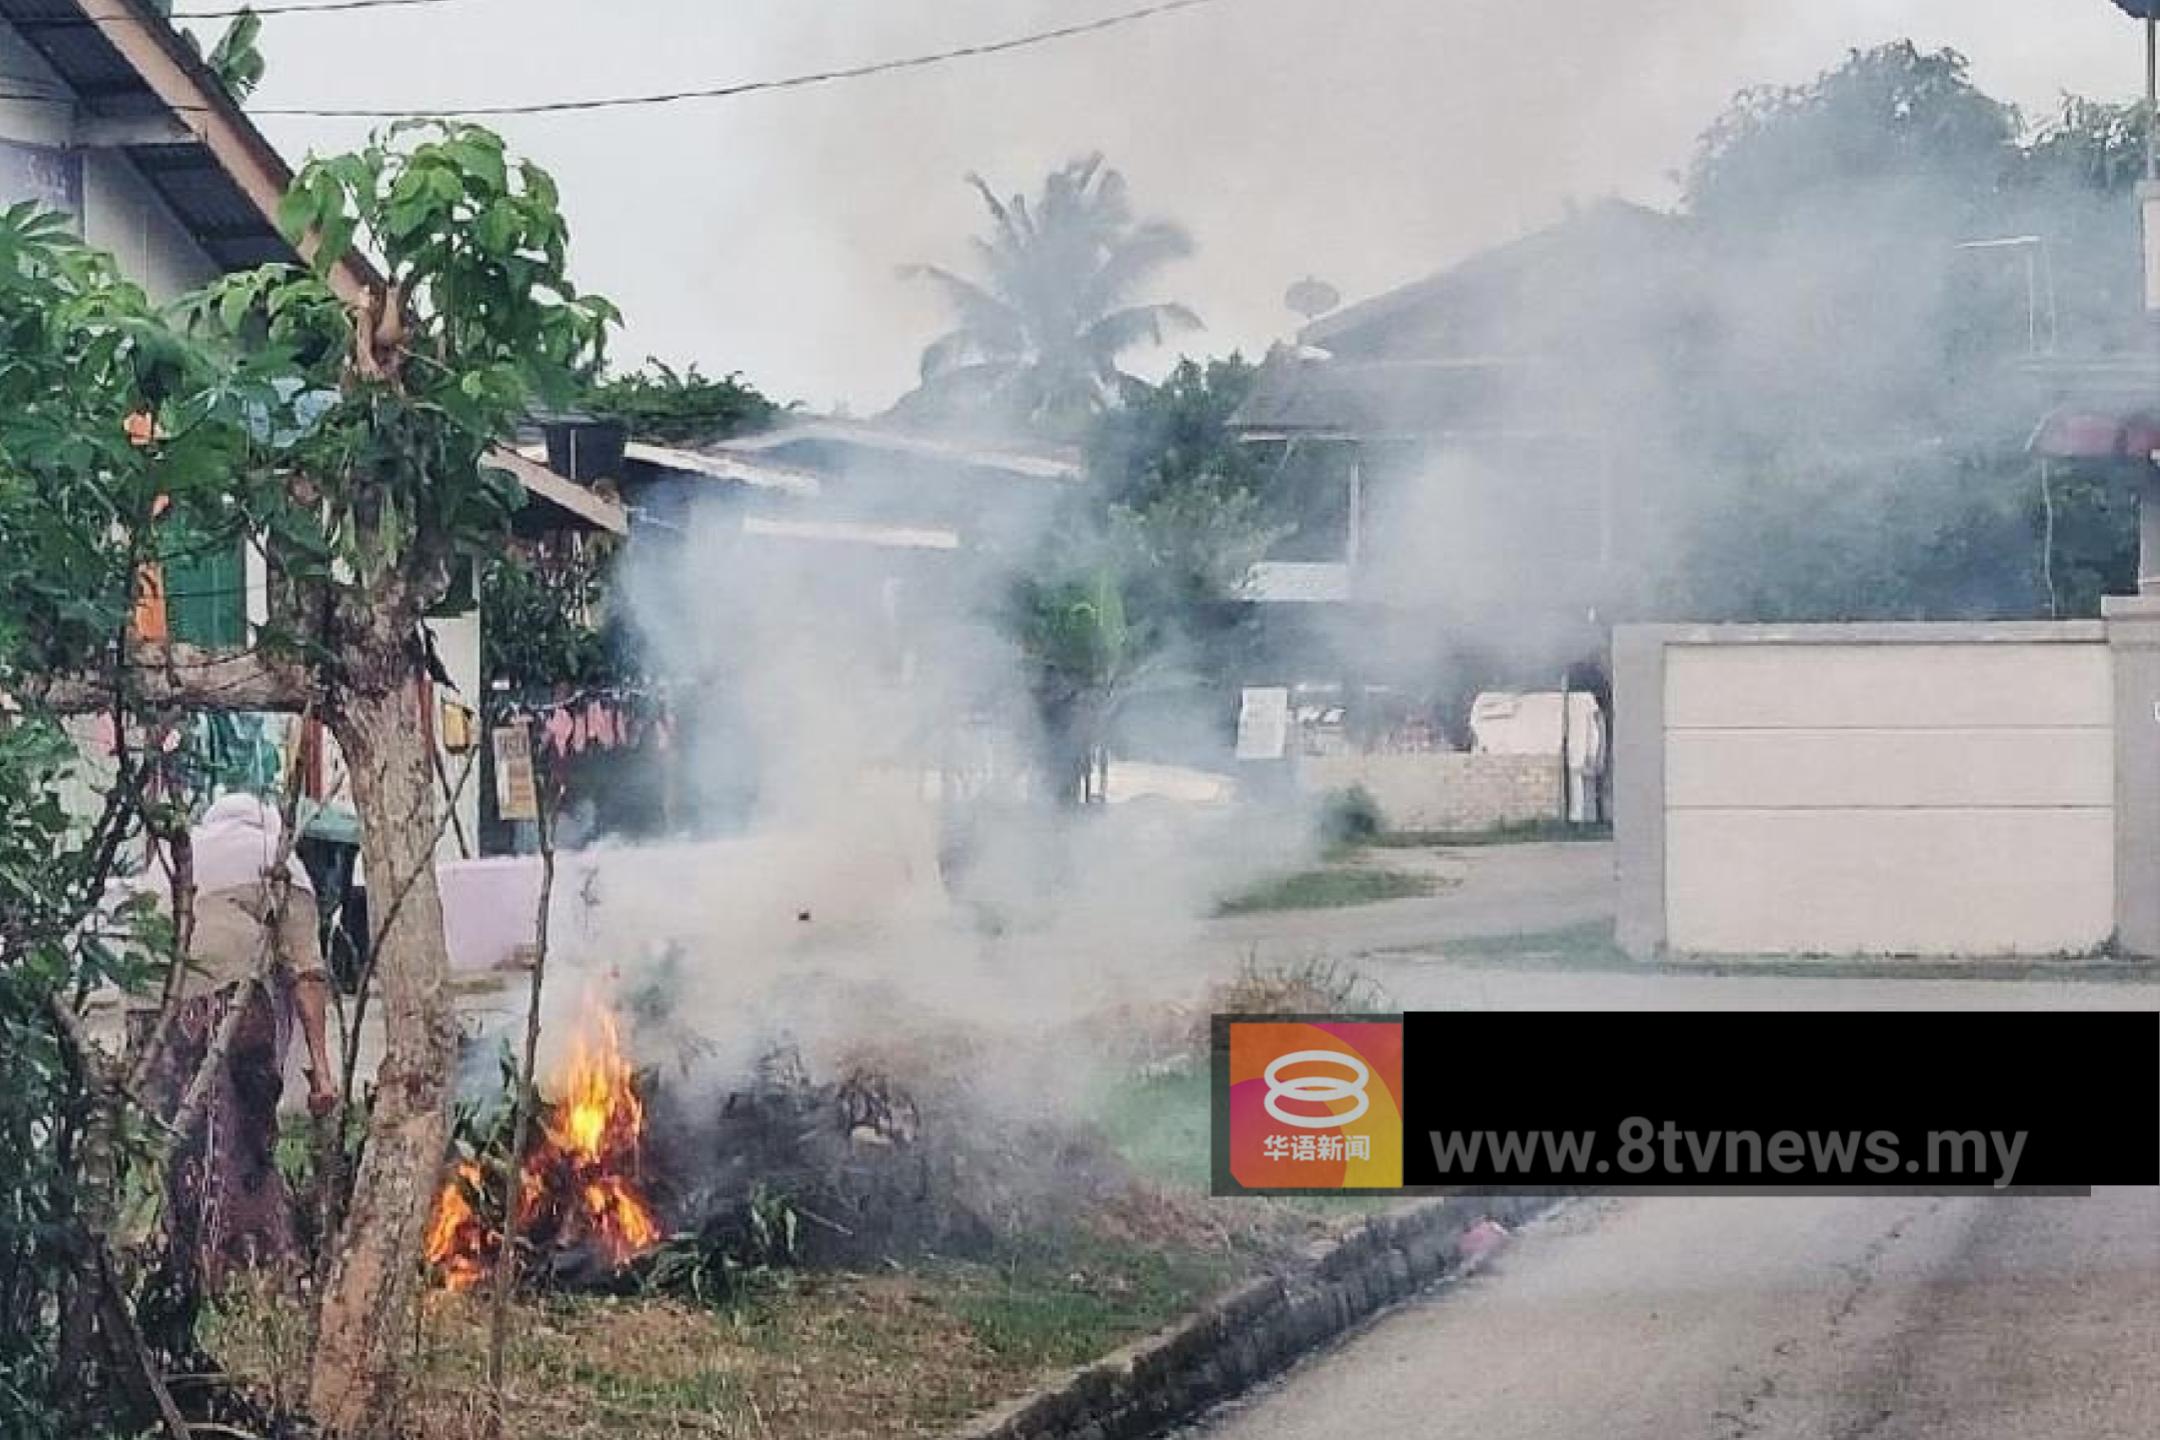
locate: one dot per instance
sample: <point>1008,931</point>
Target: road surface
<point>1729,1318</point>
<point>1724,1319</point>
<point>1501,889</point>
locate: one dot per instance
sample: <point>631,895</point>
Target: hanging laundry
<point>560,730</point>
<point>599,725</point>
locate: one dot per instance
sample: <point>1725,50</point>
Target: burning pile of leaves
<point>580,1191</point>
<point>790,1168</point>
<point>629,1184</point>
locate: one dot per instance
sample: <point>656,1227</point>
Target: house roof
<point>852,532</point>
<point>593,508</point>
<point>1306,394</point>
<point>1610,238</point>
<point>1502,345</point>
<point>141,89</point>
<point>752,470</point>
<point>884,438</point>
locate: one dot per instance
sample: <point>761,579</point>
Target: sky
<point>1366,142</point>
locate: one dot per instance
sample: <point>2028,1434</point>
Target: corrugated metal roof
<point>886,438</point>
<point>232,231</point>
<point>748,470</point>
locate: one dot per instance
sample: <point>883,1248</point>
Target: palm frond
<point>946,354</point>
<point>1120,330</point>
<point>1041,318</point>
<point>1131,259</point>
<point>989,198</point>
<point>997,326</point>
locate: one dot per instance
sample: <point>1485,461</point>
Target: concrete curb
<point>1255,1331</point>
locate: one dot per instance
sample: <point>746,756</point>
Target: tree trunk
<point>367,1304</point>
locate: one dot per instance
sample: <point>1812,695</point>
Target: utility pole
<point>2152,93</point>
<point>2148,194</point>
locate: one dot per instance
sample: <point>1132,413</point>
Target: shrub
<point>1350,817</point>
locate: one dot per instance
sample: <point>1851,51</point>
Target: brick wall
<point>1444,790</point>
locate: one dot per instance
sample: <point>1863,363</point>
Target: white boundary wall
<point>1867,790</point>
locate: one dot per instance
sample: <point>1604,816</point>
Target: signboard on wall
<point>517,796</point>
<point>1263,727</point>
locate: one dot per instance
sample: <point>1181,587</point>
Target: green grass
<point>1535,830</point>
<point>1160,1124</point>
<point>1591,946</point>
<point>1587,946</point>
<point>1069,1304</point>
<point>1329,890</point>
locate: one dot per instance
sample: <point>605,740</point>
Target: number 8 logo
<point>1316,1089</point>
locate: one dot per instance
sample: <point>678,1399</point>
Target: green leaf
<point>298,212</point>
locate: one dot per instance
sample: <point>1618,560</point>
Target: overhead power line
<point>714,92</point>
<point>223,12</point>
<point>752,87</point>
<point>323,7</point>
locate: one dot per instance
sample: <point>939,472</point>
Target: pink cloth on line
<point>561,731</point>
<point>600,726</point>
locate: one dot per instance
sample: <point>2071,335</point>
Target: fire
<point>578,1187</point>
<point>456,1236</point>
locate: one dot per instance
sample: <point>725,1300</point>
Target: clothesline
<point>513,709</point>
<point>597,718</point>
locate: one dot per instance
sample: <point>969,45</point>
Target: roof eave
<point>177,78</point>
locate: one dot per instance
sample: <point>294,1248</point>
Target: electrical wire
<point>715,92</point>
<point>324,7</point>
<point>226,12</point>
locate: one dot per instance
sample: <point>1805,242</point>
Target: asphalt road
<point>1731,1318</point>
<point>1721,1319</point>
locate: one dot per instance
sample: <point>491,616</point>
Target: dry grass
<point>1316,984</point>
<point>831,1356</point>
<point>909,1350</point>
<point>840,1356</point>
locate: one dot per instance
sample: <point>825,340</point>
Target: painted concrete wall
<point>1853,790</point>
<point>122,215</point>
<point>1444,790</point>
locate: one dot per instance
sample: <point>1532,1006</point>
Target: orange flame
<point>579,1185</point>
<point>456,1238</point>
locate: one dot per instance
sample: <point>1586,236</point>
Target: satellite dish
<point>1310,297</point>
